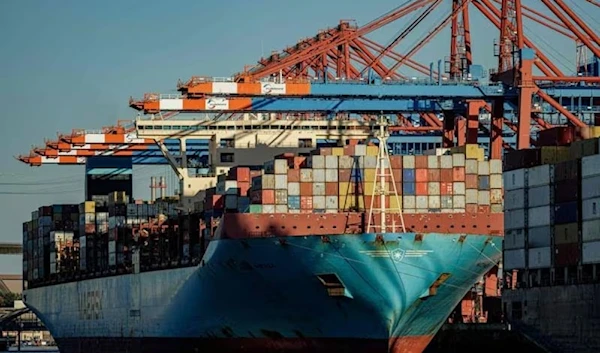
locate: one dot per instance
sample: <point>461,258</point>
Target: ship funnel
<point>152,189</point>
<point>163,186</point>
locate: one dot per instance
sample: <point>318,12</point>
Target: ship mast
<point>381,185</point>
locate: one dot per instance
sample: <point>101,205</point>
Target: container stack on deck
<point>94,237</point>
<point>341,179</point>
<point>552,213</point>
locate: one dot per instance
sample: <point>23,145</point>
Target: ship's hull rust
<point>263,294</point>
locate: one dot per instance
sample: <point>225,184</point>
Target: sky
<point>74,64</point>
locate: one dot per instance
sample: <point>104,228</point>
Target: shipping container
<point>539,237</point>
<point>566,233</point>
<point>591,252</point>
<point>540,257</point>
<point>514,259</point>
<point>514,239</point>
<point>515,179</point>
<point>566,255</point>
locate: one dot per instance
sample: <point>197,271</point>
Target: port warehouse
<point>557,103</point>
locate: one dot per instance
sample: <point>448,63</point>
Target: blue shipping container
<point>408,175</point>
<point>565,213</point>
<point>294,202</point>
<point>484,182</point>
<point>408,189</point>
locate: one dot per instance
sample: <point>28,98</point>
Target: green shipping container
<point>255,209</point>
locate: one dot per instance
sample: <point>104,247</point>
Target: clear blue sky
<point>74,64</point>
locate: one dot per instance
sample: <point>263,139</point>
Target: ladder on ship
<point>384,177</point>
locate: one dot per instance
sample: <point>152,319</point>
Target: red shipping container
<point>421,162</point>
<point>376,201</point>
<point>396,162</point>
<point>484,209</point>
<point>421,189</point>
<point>293,175</point>
<point>243,188</point>
<point>566,254</point>
<point>433,175</point>
<point>265,197</point>
<point>472,181</point>
<point>349,150</point>
<point>344,175</point>
<point>421,175</point>
<point>325,151</point>
<point>331,189</point>
<point>556,136</point>
<point>215,202</point>
<point>446,176</point>
<point>297,162</point>
<point>306,202</point>
<point>306,189</point>
<point>90,228</point>
<point>239,174</point>
<point>446,188</point>
<point>397,173</point>
<point>458,174</point>
<point>472,208</point>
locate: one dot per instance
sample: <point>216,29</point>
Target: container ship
<point>347,249</point>
<point>552,240</point>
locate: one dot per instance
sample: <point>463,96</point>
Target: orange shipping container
<point>266,197</point>
<point>421,162</point>
<point>446,176</point>
<point>298,162</point>
<point>306,189</point>
<point>433,175</point>
<point>421,189</point>
<point>293,175</point>
<point>344,175</point>
<point>396,162</point>
<point>239,174</point>
<point>458,174</point>
<point>472,208</point>
<point>306,202</point>
<point>349,150</point>
<point>397,173</point>
<point>331,189</point>
<point>421,175</point>
<point>446,188</point>
<point>471,181</point>
<point>325,151</point>
<point>243,187</point>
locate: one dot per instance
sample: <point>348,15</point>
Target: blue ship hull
<point>266,295</point>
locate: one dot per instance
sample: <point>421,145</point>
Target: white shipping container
<point>281,209</point>
<point>446,162</point>
<point>433,162</point>
<point>370,162</point>
<point>483,197</point>
<point>590,252</point>
<point>331,175</point>
<point>471,166</point>
<point>514,219</point>
<point>590,209</point>
<point>496,181</point>
<point>360,150</point>
<point>346,162</point>
<point>459,188</point>
<point>459,202</point>
<point>331,162</point>
<point>514,179</point>
<point>435,202</point>
<point>317,162</point>
<point>590,230</point>
<point>422,202</point>
<point>281,166</point>
<point>514,259</point>
<point>496,166</point>
<point>268,208</point>
<point>514,199</point>
<point>590,187</point>
<point>331,202</point>
<point>472,196</point>
<point>267,182</point>
<point>306,175</point>
<point>433,188</point>
<point>319,202</point>
<point>514,239</point>
<point>293,189</point>
<point>319,175</point>
<point>483,167</point>
<point>539,237</point>
<point>409,202</point>
<point>281,181</point>
<point>458,159</point>
<point>539,216</point>
<point>540,257</point>
<point>408,162</point>
<point>539,196</point>
<point>540,175</point>
<point>590,166</point>
<point>318,189</point>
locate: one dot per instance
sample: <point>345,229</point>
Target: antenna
<point>382,171</point>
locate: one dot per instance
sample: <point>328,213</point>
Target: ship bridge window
<point>335,287</point>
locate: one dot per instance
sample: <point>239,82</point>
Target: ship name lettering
<point>90,305</point>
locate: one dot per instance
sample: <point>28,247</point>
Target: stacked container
<point>590,192</point>
<point>87,229</point>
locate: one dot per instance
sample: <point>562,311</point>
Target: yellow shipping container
<point>345,188</point>
<point>337,151</point>
<point>595,131</point>
<point>471,151</point>
<point>369,175</point>
<point>395,203</point>
<point>351,201</point>
<point>89,207</point>
<point>372,150</point>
